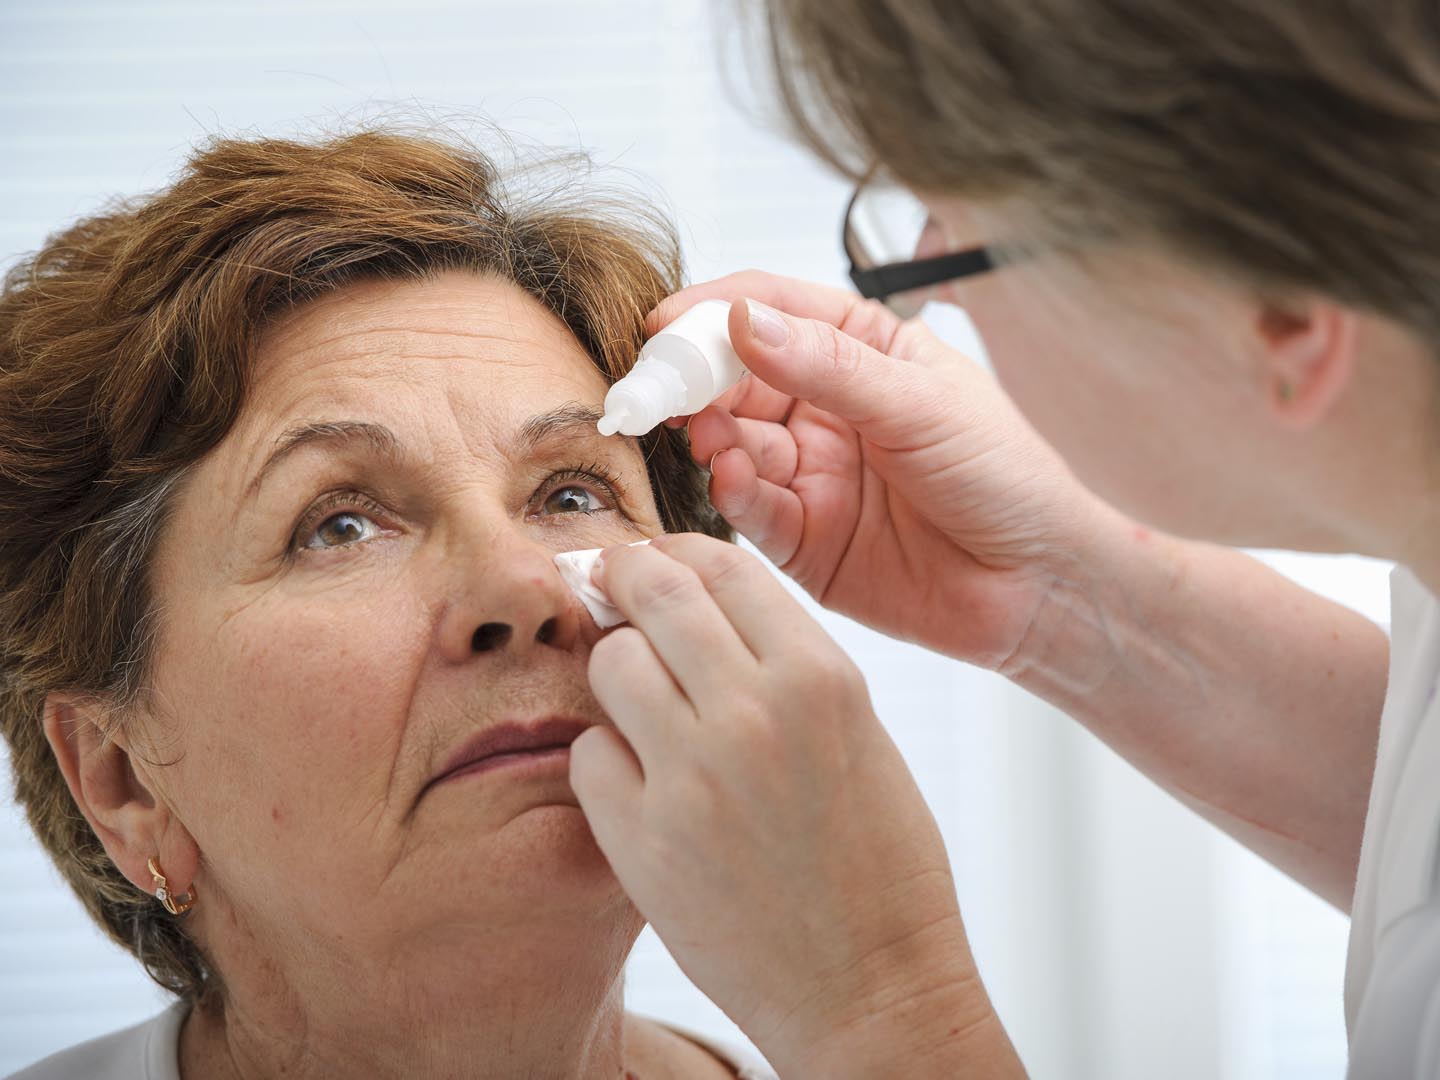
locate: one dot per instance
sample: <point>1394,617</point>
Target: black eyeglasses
<point>884,227</point>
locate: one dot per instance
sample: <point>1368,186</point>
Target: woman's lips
<point>537,745</point>
<point>545,759</point>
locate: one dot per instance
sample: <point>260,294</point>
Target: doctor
<point>1202,244</point>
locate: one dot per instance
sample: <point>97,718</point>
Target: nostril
<point>492,635</point>
<point>548,629</point>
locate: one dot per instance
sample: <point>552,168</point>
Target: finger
<point>891,402</point>
<point>770,446</point>
<point>609,783</point>
<point>770,516</point>
<point>768,619</point>
<point>756,399</point>
<point>636,691</point>
<point>865,320</point>
<point>666,601</point>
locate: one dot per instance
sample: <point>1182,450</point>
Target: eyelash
<point>594,473</point>
<point>339,501</point>
<point>327,506</point>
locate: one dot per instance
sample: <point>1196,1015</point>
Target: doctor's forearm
<point>1253,700</point>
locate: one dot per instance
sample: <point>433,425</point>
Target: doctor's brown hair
<point>1292,146</point>
<point>126,346</point>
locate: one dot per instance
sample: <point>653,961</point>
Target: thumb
<point>606,777</point>
<point>884,399</point>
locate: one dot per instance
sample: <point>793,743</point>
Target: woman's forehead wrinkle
<point>493,377</point>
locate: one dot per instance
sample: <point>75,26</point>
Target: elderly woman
<point>290,677</point>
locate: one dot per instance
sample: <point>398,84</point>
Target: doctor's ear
<point>1308,350</point>
<point>116,792</point>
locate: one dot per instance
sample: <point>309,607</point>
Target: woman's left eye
<point>573,499</point>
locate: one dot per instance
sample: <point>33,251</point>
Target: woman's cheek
<point>362,571</point>
<point>321,683</point>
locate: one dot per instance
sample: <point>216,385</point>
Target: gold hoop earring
<point>175,905</point>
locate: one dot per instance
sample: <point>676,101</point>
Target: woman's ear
<point>1309,358</point>
<point>117,795</point>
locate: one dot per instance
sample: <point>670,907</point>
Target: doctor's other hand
<point>759,816</point>
<point>884,471</point>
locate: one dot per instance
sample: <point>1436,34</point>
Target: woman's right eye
<point>341,530</point>
<point>339,520</point>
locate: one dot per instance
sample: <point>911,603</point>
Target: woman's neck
<point>552,1007</point>
<point>646,1049</point>
<point>224,1046</point>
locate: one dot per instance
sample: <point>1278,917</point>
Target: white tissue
<point>575,567</point>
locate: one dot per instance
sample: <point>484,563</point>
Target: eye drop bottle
<point>681,369</point>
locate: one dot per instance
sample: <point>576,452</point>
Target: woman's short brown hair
<point>125,351</point>
<point>1293,146</point>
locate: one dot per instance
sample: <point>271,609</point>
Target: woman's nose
<point>508,598</point>
<point>496,635</point>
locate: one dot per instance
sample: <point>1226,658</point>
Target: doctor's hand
<point>758,815</point>
<point>884,471</point>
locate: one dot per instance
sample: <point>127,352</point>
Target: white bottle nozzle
<point>651,392</point>
<point>680,370</point>
<point>613,420</point>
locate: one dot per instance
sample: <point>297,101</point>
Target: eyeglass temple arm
<point>878,282</point>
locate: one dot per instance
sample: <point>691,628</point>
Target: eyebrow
<point>381,438</point>
<point>572,419</point>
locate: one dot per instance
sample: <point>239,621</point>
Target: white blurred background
<point>1121,937</point>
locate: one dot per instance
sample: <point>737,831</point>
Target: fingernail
<point>767,324</point>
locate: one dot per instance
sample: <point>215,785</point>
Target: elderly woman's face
<point>357,583</point>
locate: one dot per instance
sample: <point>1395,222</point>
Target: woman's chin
<point>521,851</point>
<point>549,847</point>
<point>538,878</point>
<point>558,830</point>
